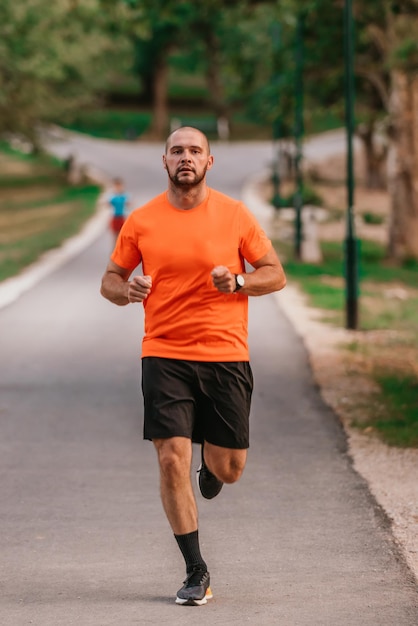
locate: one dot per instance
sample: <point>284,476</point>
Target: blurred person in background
<point>119,202</point>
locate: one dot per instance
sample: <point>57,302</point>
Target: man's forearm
<point>115,289</point>
<point>263,280</point>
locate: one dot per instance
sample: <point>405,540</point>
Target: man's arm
<point>118,289</point>
<point>268,276</point>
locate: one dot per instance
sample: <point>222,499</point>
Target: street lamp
<point>277,200</point>
<point>277,125</point>
<point>298,197</point>
<point>350,243</point>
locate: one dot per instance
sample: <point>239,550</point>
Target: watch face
<point>239,281</point>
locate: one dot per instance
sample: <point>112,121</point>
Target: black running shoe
<point>207,482</point>
<point>196,590</point>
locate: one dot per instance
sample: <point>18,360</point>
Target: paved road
<point>298,541</point>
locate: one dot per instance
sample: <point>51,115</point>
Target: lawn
<point>385,348</point>
<point>39,210</point>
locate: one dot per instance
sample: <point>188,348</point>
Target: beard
<point>186,184</point>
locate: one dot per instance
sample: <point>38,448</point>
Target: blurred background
<point>240,70</point>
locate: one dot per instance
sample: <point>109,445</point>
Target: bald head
<point>189,134</point>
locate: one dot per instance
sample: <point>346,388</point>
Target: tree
<point>204,31</point>
<point>373,84</point>
<point>165,25</point>
<point>386,87</point>
<point>54,58</point>
<point>402,19</point>
<point>387,60</point>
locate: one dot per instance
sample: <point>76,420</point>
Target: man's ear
<point>164,162</point>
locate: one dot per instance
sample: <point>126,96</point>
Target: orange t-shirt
<point>186,317</point>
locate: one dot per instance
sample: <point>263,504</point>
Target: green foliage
<point>405,55</point>
<point>309,196</point>
<point>54,57</point>
<point>324,62</point>
<point>59,58</point>
<point>410,264</point>
<point>372,218</point>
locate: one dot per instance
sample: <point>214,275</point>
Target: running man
<point>192,241</point>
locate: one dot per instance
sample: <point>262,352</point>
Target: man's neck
<point>186,198</point>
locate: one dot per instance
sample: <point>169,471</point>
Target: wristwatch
<point>239,282</point>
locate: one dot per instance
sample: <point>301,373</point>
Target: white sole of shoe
<point>208,596</point>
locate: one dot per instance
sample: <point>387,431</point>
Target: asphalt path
<point>298,541</point>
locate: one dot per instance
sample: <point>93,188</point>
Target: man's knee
<point>227,467</point>
<point>231,471</point>
<point>173,457</point>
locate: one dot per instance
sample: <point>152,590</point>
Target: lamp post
<point>350,243</point>
<point>277,200</point>
<point>298,197</point>
<point>277,125</point>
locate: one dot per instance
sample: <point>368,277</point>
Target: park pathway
<point>299,541</point>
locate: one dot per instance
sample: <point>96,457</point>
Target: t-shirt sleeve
<point>127,253</point>
<point>254,242</point>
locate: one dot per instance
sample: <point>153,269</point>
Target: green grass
<point>321,121</point>
<point>393,413</point>
<point>128,124</point>
<point>309,196</point>
<point>111,123</point>
<point>18,254</point>
<point>39,160</point>
<point>373,265</point>
<point>311,278</point>
<point>38,209</point>
<point>7,149</point>
<point>325,284</point>
<point>19,182</point>
<point>395,314</point>
<point>395,410</point>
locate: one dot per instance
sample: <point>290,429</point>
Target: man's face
<point>187,157</point>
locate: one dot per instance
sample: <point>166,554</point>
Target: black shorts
<point>203,401</point>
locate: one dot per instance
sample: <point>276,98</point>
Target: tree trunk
<point>403,167</point>
<point>160,122</point>
<point>374,155</point>
<point>213,76</point>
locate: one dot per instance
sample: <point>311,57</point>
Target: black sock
<point>189,546</point>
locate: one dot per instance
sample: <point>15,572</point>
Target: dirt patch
<point>13,167</point>
<point>11,196</point>
<point>29,222</point>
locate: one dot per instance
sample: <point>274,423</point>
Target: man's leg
<point>174,457</point>
<point>226,464</point>
<point>226,401</point>
<point>219,465</point>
